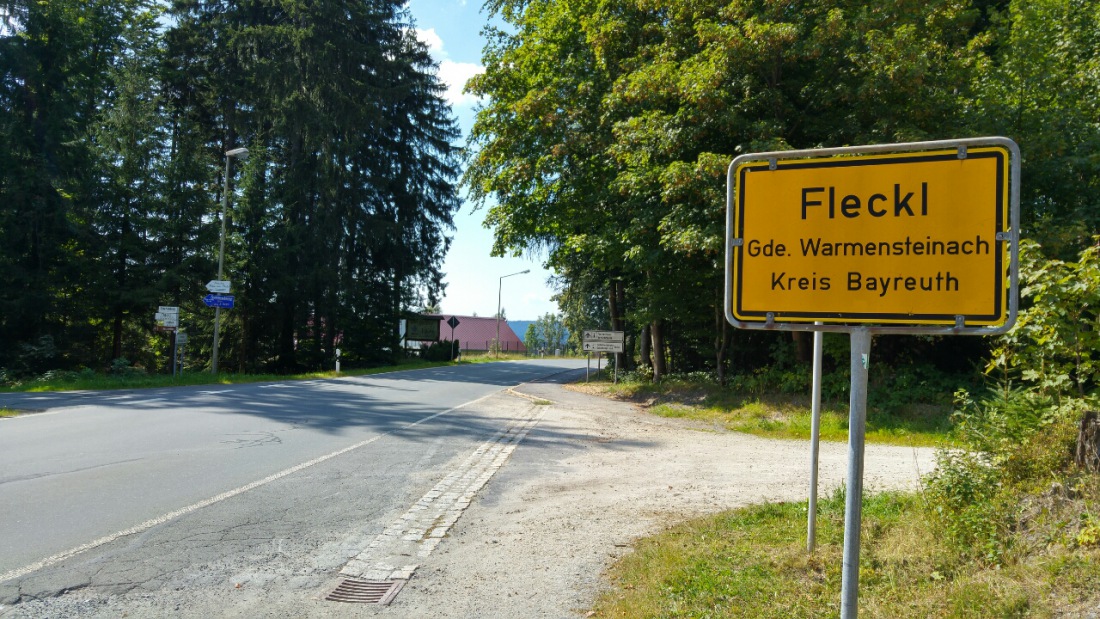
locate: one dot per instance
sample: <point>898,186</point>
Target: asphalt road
<point>129,490</point>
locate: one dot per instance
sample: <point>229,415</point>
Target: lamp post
<point>500,287</point>
<point>241,153</point>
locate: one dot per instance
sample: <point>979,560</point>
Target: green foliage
<point>547,333</point>
<point>1019,434</point>
<point>532,339</point>
<point>115,116</point>
<point>122,367</point>
<point>443,350</point>
<point>614,160</point>
<point>1040,85</point>
<point>1058,335</point>
<point>962,494</point>
<point>755,404</point>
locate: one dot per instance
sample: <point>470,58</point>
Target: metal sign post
<point>918,238</point>
<point>181,345</point>
<point>853,500</point>
<point>453,322</point>
<point>815,441</point>
<point>167,318</point>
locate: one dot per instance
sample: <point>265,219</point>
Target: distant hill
<point>519,327</point>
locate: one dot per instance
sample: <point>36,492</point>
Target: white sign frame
<point>1011,236</point>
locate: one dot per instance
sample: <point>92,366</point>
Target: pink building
<point>477,334</point>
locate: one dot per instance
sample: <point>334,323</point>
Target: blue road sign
<point>224,301</point>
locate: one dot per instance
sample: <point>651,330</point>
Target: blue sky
<point>452,30</point>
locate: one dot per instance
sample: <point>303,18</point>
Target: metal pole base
<point>853,510</point>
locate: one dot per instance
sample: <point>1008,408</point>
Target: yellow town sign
<point>917,236</point>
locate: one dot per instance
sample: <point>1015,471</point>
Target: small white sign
<point>168,309</point>
<point>603,347</point>
<point>218,286</point>
<point>181,338</point>
<point>168,320</point>
<point>603,336</point>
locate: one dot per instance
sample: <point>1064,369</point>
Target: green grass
<point>787,416</point>
<point>1012,535</point>
<point>753,563</point>
<point>8,412</point>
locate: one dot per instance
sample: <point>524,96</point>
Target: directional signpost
<point>603,346</point>
<point>219,286</point>
<point>220,301</point>
<point>601,342</point>
<point>916,238</point>
<point>167,318</point>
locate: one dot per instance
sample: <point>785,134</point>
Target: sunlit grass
<point>785,416</point>
<point>753,563</point>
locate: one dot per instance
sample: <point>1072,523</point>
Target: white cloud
<point>431,39</point>
<point>455,75</point>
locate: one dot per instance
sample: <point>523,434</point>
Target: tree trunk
<point>803,341</point>
<point>616,319</point>
<point>647,358</point>
<point>1088,443</point>
<point>658,336</point>
<point>620,301</point>
<point>721,344</point>
<point>116,335</point>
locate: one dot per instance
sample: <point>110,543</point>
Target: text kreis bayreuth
<point>892,202</point>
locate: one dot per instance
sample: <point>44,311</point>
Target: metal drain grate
<point>366,591</point>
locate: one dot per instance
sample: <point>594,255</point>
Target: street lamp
<point>500,287</point>
<point>241,153</point>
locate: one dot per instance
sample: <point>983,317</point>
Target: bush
<point>962,497</point>
<point>443,350</point>
<point>122,367</point>
<point>1016,442</point>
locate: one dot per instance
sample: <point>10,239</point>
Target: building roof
<point>478,333</point>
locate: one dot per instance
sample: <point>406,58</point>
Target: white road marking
<point>152,522</point>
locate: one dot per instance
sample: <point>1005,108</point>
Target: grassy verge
<point>7,412</point>
<point>94,381</point>
<point>753,563</point>
<point>1007,526</point>
<point>785,416</point>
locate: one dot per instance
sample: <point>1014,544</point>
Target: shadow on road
<point>384,403</point>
